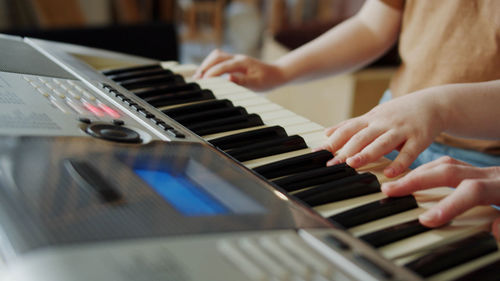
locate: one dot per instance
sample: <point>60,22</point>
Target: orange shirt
<point>448,41</point>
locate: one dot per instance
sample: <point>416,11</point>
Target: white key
<point>334,208</point>
<point>289,121</point>
<point>228,133</point>
<point>266,160</point>
<point>314,139</point>
<point>426,241</point>
<point>303,128</point>
<point>233,94</point>
<point>386,222</point>
<point>463,269</point>
<point>264,107</point>
<point>271,115</point>
<point>186,70</point>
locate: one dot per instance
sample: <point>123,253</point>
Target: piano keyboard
<point>277,143</point>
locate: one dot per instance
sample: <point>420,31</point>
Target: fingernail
<point>355,160</point>
<point>430,215</point>
<point>332,162</point>
<point>386,187</point>
<point>390,172</point>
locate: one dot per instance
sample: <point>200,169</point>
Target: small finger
<point>411,149</point>
<point>340,137</point>
<point>227,66</point>
<point>357,143</point>
<point>215,57</point>
<point>468,194</point>
<point>443,174</point>
<point>420,179</point>
<point>382,145</point>
<point>444,160</point>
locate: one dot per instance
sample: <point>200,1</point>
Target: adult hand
<point>409,124</point>
<point>474,186</point>
<point>242,70</point>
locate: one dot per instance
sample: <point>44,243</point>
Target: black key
<point>180,98</point>
<point>394,233</point>
<point>138,74</point>
<point>250,137</point>
<point>146,113</point>
<point>227,124</point>
<point>295,164</point>
<point>375,210</point>
<point>454,254</point>
<point>152,81</point>
<point>164,126</point>
<point>268,148</point>
<point>175,133</point>
<point>210,115</point>
<point>131,69</point>
<point>342,189</point>
<point>486,273</point>
<point>315,177</point>
<point>165,89</point>
<point>197,107</point>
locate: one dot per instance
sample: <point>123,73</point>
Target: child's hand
<point>408,124</point>
<point>474,186</point>
<point>242,70</point>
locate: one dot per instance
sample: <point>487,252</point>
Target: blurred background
<point>187,30</point>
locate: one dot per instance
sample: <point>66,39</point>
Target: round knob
<point>113,133</point>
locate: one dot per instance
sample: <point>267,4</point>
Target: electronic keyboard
<point>117,167</point>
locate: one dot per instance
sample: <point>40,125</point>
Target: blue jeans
<point>437,150</point>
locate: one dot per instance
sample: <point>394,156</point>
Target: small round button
<point>118,122</point>
<point>84,120</point>
<point>113,133</point>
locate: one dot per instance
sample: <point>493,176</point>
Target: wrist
<point>284,71</point>
<point>445,111</point>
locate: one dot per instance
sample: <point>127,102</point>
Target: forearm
<point>473,109</point>
<point>350,45</point>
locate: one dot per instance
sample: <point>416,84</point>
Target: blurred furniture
<point>200,15</point>
<point>143,28</point>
